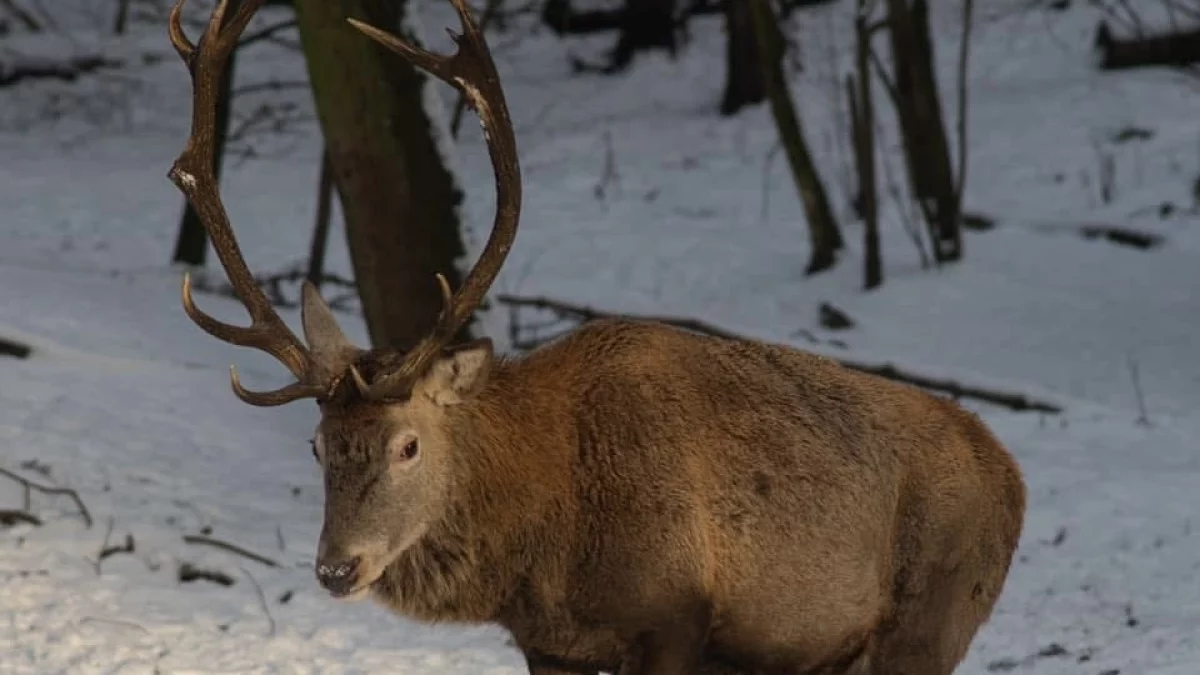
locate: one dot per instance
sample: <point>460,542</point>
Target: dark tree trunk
<point>824,237</point>
<point>927,149</point>
<point>398,198</point>
<point>744,75</point>
<point>320,236</point>
<point>191,244</point>
<point>862,130</point>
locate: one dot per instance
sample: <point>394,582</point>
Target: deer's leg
<point>674,646</point>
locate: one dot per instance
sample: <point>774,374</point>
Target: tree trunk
<point>927,149</point>
<point>824,236</point>
<point>744,73</point>
<point>191,244</point>
<point>398,198</point>
<point>862,130</point>
<point>320,236</point>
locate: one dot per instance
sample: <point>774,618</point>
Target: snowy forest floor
<point>125,401</point>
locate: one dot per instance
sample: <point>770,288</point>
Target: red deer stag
<point>632,496</point>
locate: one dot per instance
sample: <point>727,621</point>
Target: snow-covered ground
<point>125,401</point>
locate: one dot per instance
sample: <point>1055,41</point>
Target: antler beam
<point>193,174</point>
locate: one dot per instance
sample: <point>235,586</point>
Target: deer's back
<point>799,495</point>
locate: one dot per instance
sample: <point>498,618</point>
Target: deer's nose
<point>338,577</point>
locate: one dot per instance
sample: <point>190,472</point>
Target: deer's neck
<point>508,508</point>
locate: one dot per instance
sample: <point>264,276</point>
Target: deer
<point>630,497</point>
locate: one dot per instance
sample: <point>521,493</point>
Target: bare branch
<point>231,548</point>
<point>266,33</point>
<point>49,491</point>
<point>1013,401</point>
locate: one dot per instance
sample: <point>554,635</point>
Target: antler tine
<point>192,173</point>
<point>471,70</point>
<point>183,46</point>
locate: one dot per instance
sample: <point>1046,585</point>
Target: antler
<point>469,69</point>
<point>192,173</point>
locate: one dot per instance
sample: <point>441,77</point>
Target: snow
<point>127,402</point>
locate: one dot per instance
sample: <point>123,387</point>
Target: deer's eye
<point>410,450</point>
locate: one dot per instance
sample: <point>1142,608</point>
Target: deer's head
<point>384,440</point>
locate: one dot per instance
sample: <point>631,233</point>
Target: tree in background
<point>824,237</point>
<point>398,198</point>
<point>923,129</point>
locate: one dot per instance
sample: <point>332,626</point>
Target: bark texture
<point>398,198</point>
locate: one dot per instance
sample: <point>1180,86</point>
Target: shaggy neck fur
<point>505,497</point>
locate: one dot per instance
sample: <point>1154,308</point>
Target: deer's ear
<point>460,372</point>
<point>329,345</point>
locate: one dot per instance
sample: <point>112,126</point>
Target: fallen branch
<point>10,517</point>
<point>189,573</point>
<point>108,551</point>
<point>48,490</point>
<point>66,71</point>
<point>1176,49</point>
<point>585,314</point>
<point>231,548</point>
<point>1013,401</point>
<point>14,349</point>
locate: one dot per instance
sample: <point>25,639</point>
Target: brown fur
<point>631,480</point>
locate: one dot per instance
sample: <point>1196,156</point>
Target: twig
<point>49,491</point>
<point>31,24</point>
<point>262,601</point>
<point>189,573</point>
<point>266,33</point>
<point>1143,418</point>
<point>884,77</point>
<point>108,551</point>
<point>269,85</point>
<point>103,545</point>
<point>226,546</point>
<point>768,162</point>
<point>1017,402</point>
<point>114,622</point>
<point>47,17</point>
<point>585,314</point>
<point>608,174</point>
